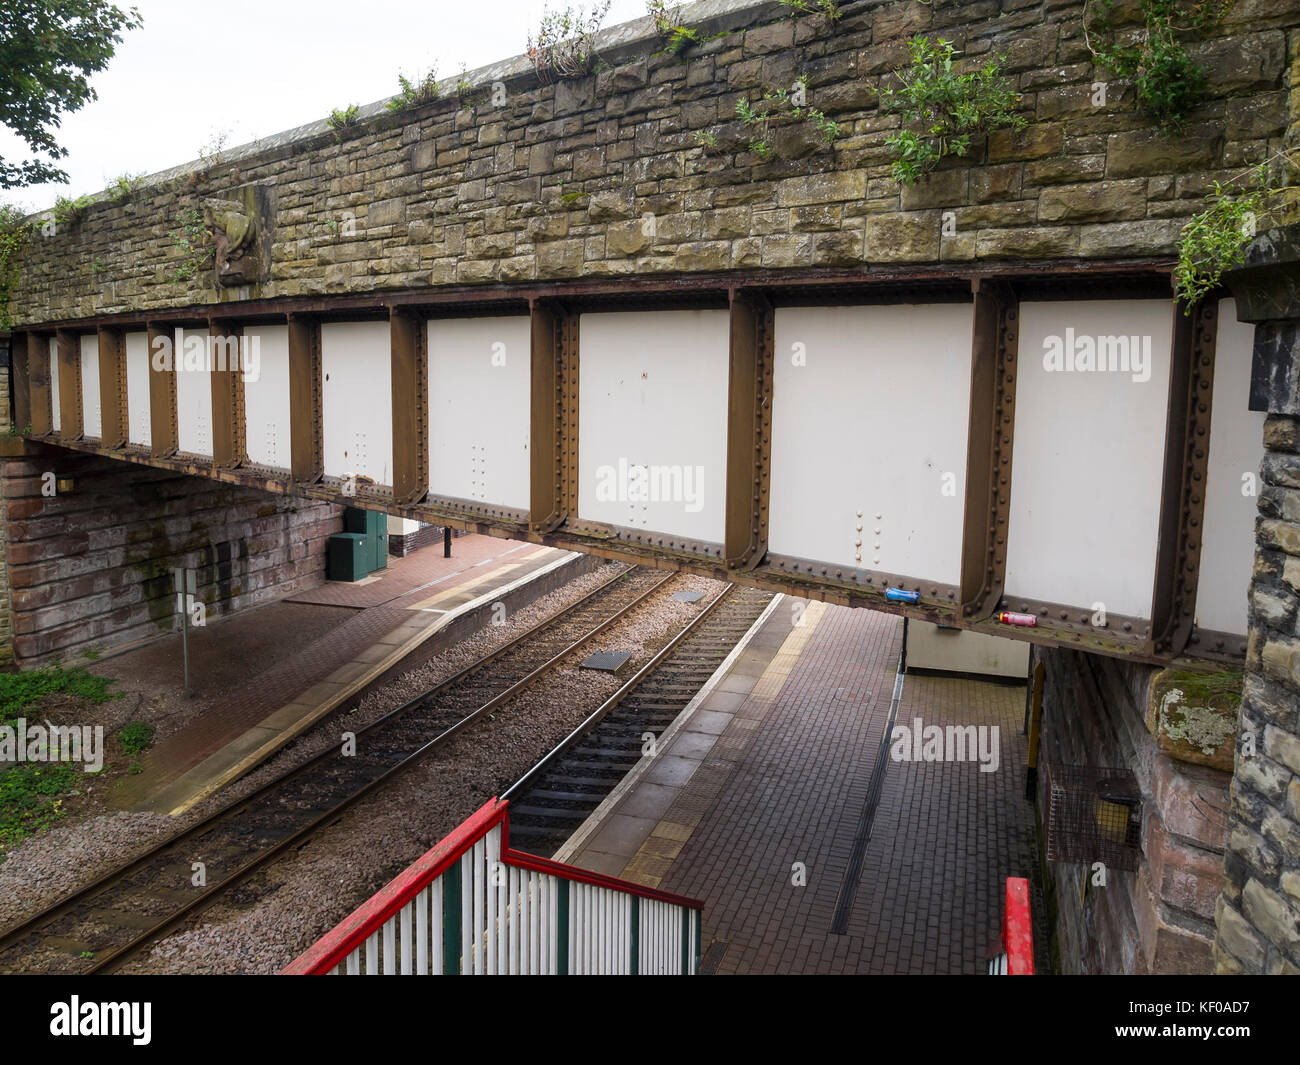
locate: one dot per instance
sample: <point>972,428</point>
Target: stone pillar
<point>1258,915</point>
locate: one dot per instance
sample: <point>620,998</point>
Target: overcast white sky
<point>255,67</point>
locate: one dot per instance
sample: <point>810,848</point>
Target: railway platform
<point>816,846</point>
<point>262,677</point>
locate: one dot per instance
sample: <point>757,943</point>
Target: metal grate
<point>607,661</point>
<point>1094,815</point>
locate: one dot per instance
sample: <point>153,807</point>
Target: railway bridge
<point>589,314</point>
<point>1070,450</point>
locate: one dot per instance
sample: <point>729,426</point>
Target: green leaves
<point>1215,240</point>
<point>564,45</point>
<point>1167,83</point>
<point>945,109</point>
<point>194,242</point>
<point>48,50</point>
<point>410,94</point>
<point>15,232</point>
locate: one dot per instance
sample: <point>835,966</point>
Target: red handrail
<point>1017,928</point>
<point>328,951</point>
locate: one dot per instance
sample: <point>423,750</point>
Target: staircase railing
<point>471,905</point>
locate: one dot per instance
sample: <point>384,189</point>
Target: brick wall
<point>1159,919</point>
<point>554,182</point>
<point>91,568</point>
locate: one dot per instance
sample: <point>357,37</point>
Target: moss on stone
<point>1193,715</point>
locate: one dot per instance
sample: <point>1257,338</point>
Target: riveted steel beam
<point>1187,463</point>
<point>546,495</point>
<point>569,339</point>
<point>1137,278</point>
<point>71,426</point>
<point>749,430</point>
<point>40,383</point>
<point>991,430</point>
<point>1059,625</point>
<point>165,432</point>
<point>20,381</point>
<point>410,384</point>
<point>227,379</point>
<point>306,410</point>
<point>112,385</point>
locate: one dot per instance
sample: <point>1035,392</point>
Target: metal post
<point>1035,727</point>
<point>446,542</point>
<point>186,588</point>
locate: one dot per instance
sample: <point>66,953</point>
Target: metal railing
<point>471,905</point>
<point>1017,957</point>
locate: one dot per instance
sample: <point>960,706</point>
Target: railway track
<point>560,792</point>
<point>97,927</point>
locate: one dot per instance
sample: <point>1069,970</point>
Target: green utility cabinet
<point>374,527</point>
<point>348,557</point>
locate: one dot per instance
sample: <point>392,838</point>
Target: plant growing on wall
<point>125,186</point>
<point>414,93</point>
<point>829,8</point>
<point>1215,240</point>
<point>942,109</point>
<point>341,119</point>
<point>564,46</point>
<point>70,212</point>
<point>15,232</point>
<point>668,21</point>
<point>1167,82</point>
<point>194,241</point>
<point>777,106</point>
<point>212,152</point>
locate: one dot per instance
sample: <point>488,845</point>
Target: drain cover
<point>609,661</point>
<point>688,597</point>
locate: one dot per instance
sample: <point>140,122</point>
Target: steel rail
<point>615,699</point>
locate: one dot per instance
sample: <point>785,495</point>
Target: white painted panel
<point>193,392</point>
<point>652,395</point>
<point>479,378</point>
<point>1089,456</point>
<point>54,382</point>
<point>92,414</point>
<point>137,389</point>
<point>265,354</point>
<point>356,362</point>
<point>869,434</point>
<point>1236,450</point>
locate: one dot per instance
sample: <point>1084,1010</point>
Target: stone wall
<point>525,182</point>
<point>1259,919</point>
<point>1108,712</point>
<point>1259,911</point>
<point>90,568</point>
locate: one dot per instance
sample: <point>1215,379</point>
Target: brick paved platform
<point>771,771</point>
<point>264,676</point>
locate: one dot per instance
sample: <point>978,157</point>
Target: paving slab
<point>776,822</point>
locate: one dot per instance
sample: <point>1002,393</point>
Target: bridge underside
<point>1065,444</point>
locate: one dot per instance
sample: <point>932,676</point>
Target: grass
<point>31,799</point>
<point>134,737</point>
<point>19,691</point>
<point>31,793</point>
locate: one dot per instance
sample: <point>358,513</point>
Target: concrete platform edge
<point>588,829</point>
